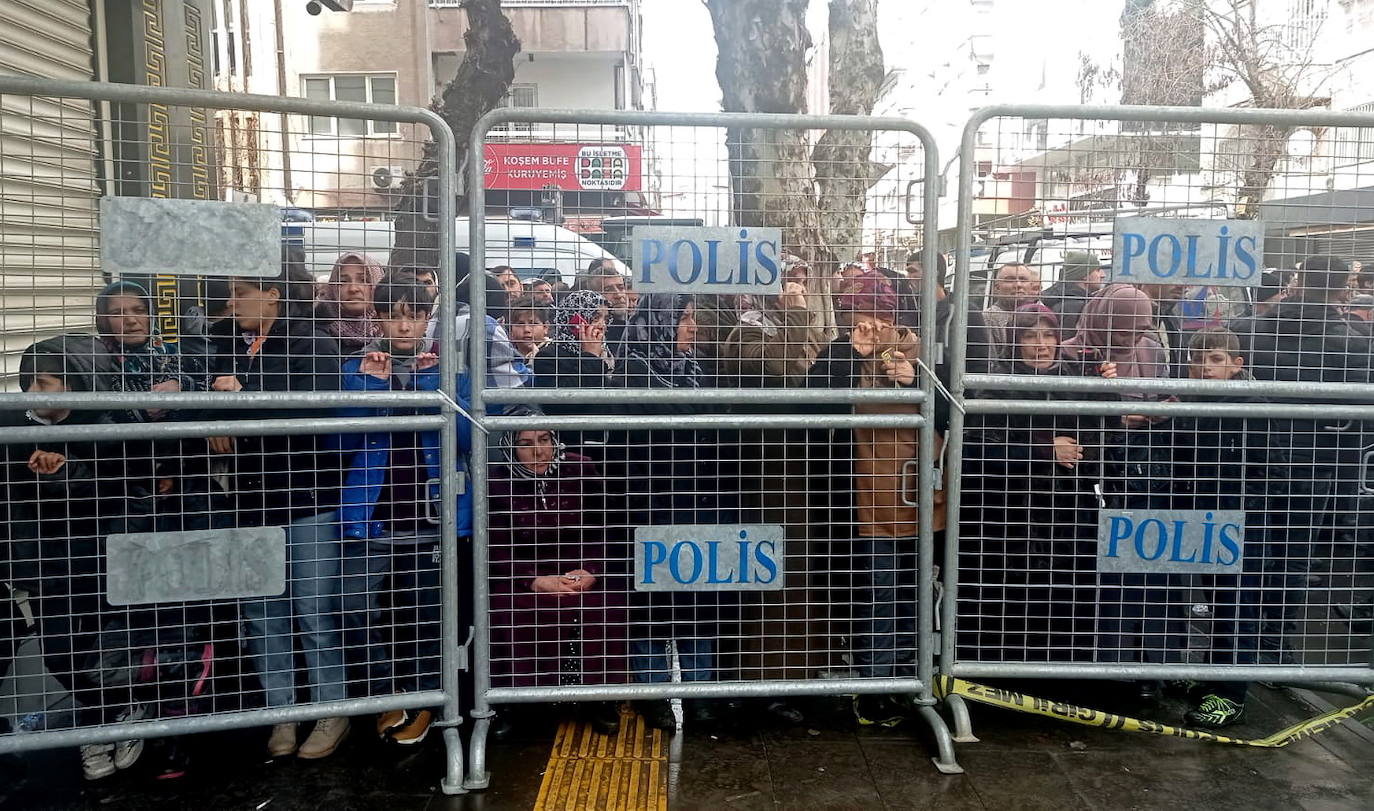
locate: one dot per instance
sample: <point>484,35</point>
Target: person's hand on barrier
<point>377,364</point>
<point>46,463</point>
<point>226,383</point>
<point>899,369</point>
<point>1135,421</point>
<point>165,486</point>
<point>166,385</point>
<point>864,339</point>
<point>426,360</point>
<point>793,296</point>
<point>220,444</point>
<point>1107,370</point>
<point>580,579</point>
<point>1067,451</point>
<point>551,584</point>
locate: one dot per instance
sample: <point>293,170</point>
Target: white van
<point>532,248</point>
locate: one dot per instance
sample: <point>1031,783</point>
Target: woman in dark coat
<point>672,477</point>
<point>1029,562</point>
<point>558,613</point>
<point>577,358</point>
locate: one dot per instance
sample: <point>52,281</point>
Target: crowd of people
<point>360,511</point>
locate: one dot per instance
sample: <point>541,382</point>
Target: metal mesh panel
<point>296,564</point>
<point>1103,392</point>
<point>570,508</point>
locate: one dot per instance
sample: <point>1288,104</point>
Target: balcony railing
<point>540,3</point>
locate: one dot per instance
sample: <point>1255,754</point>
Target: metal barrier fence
<point>714,496</point>
<point>1167,480</point>
<point>159,583</point>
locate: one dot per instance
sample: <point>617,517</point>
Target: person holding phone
<point>577,358</point>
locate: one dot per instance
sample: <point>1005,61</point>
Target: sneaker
<point>324,739</point>
<point>389,720</point>
<point>658,713</point>
<point>283,740</point>
<point>1215,712</point>
<point>97,761</point>
<point>878,710</point>
<point>126,753</point>
<point>780,710</point>
<point>414,728</point>
<point>1147,689</point>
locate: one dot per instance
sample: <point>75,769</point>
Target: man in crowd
<point>1082,275</point>
<point>1015,285</point>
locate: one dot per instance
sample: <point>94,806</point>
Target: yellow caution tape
<point>1020,702</point>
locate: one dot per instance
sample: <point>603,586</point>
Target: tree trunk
<point>843,171</point>
<point>483,79</point>
<point>761,67</point>
<point>1270,145</point>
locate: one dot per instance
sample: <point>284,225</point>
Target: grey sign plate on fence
<point>147,236</point>
<point>1192,252</point>
<point>710,557</point>
<point>209,564</point>
<point>1171,541</point>
<point>703,259</point>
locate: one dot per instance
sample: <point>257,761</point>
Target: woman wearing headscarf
<point>345,301</point>
<point>672,477</point>
<point>1114,340</point>
<point>143,362</point>
<point>576,357</point>
<point>1029,583</point>
<point>558,613</point>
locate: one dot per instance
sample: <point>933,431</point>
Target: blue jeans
<point>885,641</point>
<point>312,601</point>
<point>649,659</point>
<point>402,653</point>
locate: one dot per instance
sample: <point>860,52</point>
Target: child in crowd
<point>390,513</point>
<point>1218,464</point>
<point>62,499</point>
<point>527,322</point>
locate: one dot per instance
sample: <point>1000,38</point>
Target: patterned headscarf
<point>136,368</point>
<point>353,333</point>
<point>507,448</point>
<point>578,307</point>
<point>651,335</point>
<point>869,293</point>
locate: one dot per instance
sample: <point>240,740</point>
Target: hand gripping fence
<point>121,655</point>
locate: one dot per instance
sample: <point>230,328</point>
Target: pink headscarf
<point>1111,329</point>
<point>353,333</point>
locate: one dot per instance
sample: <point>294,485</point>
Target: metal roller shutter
<point>49,259</point>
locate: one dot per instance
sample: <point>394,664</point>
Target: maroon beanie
<point>869,293</point>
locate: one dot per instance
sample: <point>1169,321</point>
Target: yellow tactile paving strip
<point>587,770</point>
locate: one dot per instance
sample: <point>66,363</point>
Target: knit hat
<point>1078,264</point>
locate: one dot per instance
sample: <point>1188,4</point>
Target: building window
<point>1355,145</point>
<point>373,89</point>
<point>519,95</point>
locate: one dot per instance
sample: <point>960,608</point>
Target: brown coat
<point>884,458</point>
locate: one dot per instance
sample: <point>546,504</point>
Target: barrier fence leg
<point>479,778</point>
<point>963,725</point>
<point>453,747</point>
<point>944,743</point>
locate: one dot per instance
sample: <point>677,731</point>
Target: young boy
<point>61,499</point>
<point>527,324</point>
<point>1217,465</point>
<point>390,513</point>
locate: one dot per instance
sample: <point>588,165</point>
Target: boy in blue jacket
<point>390,514</point>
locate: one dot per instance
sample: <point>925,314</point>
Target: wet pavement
<point>1022,762</point>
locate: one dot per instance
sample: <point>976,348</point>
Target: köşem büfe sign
<point>709,557</point>
<point>1163,250</point>
<point>702,259</point>
<point>1171,541</point>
